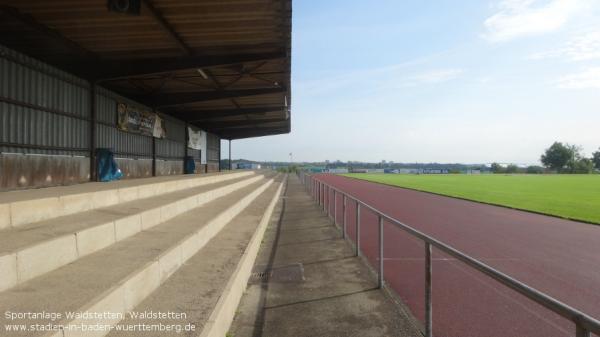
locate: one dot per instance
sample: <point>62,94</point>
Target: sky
<point>469,81</point>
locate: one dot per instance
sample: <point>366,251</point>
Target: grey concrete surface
<point>44,246</point>
<point>197,286</point>
<point>337,295</point>
<point>25,236</point>
<point>19,208</point>
<point>88,283</point>
<point>61,191</point>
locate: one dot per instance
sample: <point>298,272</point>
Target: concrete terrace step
<point>18,208</point>
<point>206,290</point>
<point>116,279</point>
<point>32,250</point>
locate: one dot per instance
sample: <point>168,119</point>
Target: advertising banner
<point>132,119</point>
<point>197,141</point>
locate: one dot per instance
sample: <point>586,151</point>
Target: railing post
<point>357,228</point>
<point>328,200</point>
<point>581,331</point>
<point>324,197</point>
<point>428,311</point>
<point>334,208</point>
<point>380,251</point>
<point>344,217</point>
<point>329,204</point>
<point>320,193</point>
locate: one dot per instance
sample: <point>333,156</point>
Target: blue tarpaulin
<point>190,165</point>
<point>107,166</point>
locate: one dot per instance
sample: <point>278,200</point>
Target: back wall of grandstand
<point>51,122</point>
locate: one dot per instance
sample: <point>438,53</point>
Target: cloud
<point>434,76</point>
<point>379,78</point>
<point>589,78</point>
<point>327,83</point>
<point>580,48</point>
<point>520,18</point>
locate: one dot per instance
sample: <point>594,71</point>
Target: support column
<point>153,157</point>
<point>153,151</point>
<point>219,167</point>
<point>185,147</point>
<point>93,118</point>
<point>230,155</point>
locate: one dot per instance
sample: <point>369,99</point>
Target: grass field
<point>574,197</point>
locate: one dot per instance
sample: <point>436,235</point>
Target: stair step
<point>29,251</point>
<point>118,278</point>
<point>204,293</point>
<point>18,208</point>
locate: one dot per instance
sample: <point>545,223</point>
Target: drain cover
<point>282,274</point>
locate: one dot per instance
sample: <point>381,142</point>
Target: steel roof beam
<point>215,115</point>
<point>182,98</point>
<point>166,27</point>
<point>237,123</point>
<point>119,69</point>
<point>250,133</point>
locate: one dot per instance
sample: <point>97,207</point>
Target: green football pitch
<point>574,197</point>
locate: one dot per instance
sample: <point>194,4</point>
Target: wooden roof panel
<point>82,34</point>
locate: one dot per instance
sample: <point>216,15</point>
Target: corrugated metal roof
<point>240,46</point>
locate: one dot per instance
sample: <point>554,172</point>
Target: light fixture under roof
<point>202,73</point>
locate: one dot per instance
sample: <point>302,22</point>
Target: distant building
<point>247,166</point>
<point>338,170</point>
<point>408,171</point>
<point>316,169</point>
<point>434,171</point>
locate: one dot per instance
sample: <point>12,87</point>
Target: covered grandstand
<point>154,81</point>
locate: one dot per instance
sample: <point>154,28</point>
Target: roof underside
<point>221,65</point>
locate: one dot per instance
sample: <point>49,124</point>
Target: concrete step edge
<point>24,212</point>
<point>220,320</point>
<point>140,283</point>
<point>35,260</point>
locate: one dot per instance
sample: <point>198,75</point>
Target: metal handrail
<point>585,324</point>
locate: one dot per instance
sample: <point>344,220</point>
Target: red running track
<point>556,256</point>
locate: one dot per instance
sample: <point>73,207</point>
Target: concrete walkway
<point>307,282</point>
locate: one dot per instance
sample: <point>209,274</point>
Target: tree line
<point>558,158</point>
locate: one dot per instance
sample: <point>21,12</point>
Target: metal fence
<point>321,193</point>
